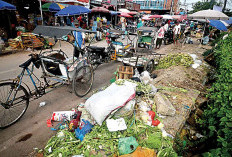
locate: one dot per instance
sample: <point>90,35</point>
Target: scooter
<point>168,37</point>
<point>99,55</point>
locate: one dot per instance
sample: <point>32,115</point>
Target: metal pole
<point>41,13</point>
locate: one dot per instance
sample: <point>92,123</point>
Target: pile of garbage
<point>121,120</point>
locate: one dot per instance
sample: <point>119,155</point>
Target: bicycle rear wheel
<point>13,103</point>
<point>83,80</point>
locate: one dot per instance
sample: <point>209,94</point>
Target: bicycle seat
<point>95,48</point>
<point>26,64</point>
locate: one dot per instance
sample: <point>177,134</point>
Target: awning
<point>58,32</point>
<point>6,6</point>
<point>123,14</point>
<point>167,17</point>
<point>124,10</point>
<point>229,22</point>
<point>72,10</point>
<point>209,14</point>
<point>218,24</point>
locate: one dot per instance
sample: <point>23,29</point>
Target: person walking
<point>160,37</point>
<point>176,33</point>
<point>123,24</point>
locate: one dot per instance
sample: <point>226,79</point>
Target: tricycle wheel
<point>83,80</point>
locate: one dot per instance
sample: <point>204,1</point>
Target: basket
<point>125,72</point>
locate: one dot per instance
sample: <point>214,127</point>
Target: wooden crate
<point>125,72</point>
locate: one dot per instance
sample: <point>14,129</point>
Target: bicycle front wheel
<point>83,80</point>
<point>13,103</point>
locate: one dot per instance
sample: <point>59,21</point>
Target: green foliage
<point>218,115</point>
<point>175,60</point>
<point>202,6</point>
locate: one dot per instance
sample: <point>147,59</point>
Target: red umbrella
<point>132,13</point>
<point>125,14</point>
<point>100,10</point>
<point>155,16</point>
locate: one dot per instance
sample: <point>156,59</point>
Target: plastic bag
<point>141,152</point>
<point>116,125</point>
<point>127,145</point>
<point>85,128</point>
<point>101,104</point>
<point>145,77</point>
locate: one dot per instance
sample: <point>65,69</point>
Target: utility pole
<point>41,13</point>
<point>171,9</point>
<point>224,6</point>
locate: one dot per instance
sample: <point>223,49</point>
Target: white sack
<point>101,104</point>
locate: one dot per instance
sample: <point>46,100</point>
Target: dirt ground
<point>181,85</point>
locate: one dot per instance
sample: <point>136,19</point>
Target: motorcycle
<point>98,55</point>
<point>168,37</point>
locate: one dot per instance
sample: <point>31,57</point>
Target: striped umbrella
<point>52,7</point>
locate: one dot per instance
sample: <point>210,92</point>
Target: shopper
<point>176,33</point>
<point>123,24</point>
<point>160,37</point>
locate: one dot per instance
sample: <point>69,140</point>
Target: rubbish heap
<point>131,117</point>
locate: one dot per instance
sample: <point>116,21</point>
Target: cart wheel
<point>149,66</point>
<point>83,80</point>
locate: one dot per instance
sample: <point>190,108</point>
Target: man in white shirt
<point>176,33</point>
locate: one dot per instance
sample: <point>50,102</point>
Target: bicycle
<point>14,97</point>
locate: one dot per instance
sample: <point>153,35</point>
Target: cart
<point>146,37</point>
<point>144,57</point>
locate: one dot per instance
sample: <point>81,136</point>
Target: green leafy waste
<point>101,140</point>
<point>175,60</point>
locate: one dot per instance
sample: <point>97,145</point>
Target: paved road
<point>31,131</point>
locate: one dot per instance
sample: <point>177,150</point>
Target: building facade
<point>158,6</point>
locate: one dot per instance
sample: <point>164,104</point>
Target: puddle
<point>24,138</point>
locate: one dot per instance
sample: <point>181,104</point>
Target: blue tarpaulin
<point>6,6</point>
<point>218,24</point>
<point>73,10</point>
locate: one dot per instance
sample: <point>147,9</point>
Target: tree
<point>202,6</point>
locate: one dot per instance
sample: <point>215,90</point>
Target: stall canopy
<point>229,22</point>
<point>167,17</point>
<point>125,15</point>
<point>52,7</point>
<point>218,24</point>
<point>146,17</point>
<point>6,6</point>
<point>73,10</point>
<point>58,32</point>
<point>100,10</point>
<point>124,10</point>
<point>133,13</point>
<point>209,14</point>
<point>155,16</point>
